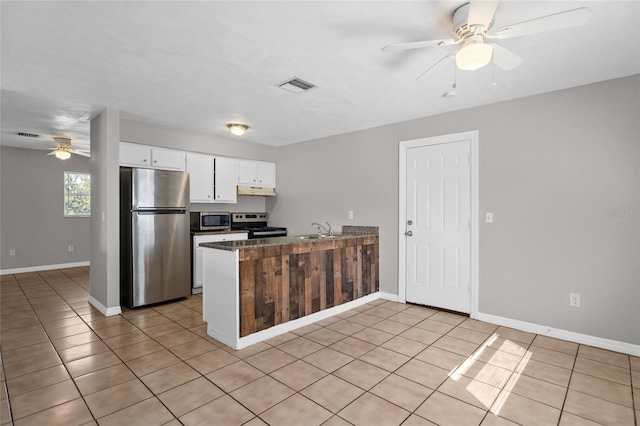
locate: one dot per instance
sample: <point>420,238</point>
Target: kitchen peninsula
<point>258,289</point>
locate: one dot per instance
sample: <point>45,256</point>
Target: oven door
<point>268,233</point>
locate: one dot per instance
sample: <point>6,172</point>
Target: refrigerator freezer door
<point>160,245</point>
<point>159,189</point>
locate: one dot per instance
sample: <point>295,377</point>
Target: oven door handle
<point>267,233</point>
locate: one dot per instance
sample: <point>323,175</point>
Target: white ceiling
<point>200,65</point>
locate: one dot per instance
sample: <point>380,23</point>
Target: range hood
<point>256,190</point>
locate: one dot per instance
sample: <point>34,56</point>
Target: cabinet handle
<point>144,161</point>
<point>155,161</point>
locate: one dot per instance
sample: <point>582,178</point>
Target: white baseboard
<point>276,330</point>
<point>584,339</point>
<point>115,310</point>
<point>42,268</point>
<point>390,296</point>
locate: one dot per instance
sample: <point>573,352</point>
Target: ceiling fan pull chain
<point>455,76</point>
<point>493,75</point>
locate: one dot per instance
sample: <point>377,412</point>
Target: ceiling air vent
<point>296,85</point>
<point>27,135</point>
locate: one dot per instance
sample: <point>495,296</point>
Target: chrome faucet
<point>328,230</point>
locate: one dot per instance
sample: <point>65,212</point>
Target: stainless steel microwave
<point>210,221</point>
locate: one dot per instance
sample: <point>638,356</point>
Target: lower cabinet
<point>197,265</point>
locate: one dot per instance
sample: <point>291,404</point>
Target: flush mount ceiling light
<point>237,129</point>
<point>474,55</point>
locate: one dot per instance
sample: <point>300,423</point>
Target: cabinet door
<point>200,169</point>
<point>135,155</point>
<point>226,180</point>
<point>256,173</point>
<point>198,265</point>
<point>247,171</point>
<point>167,159</point>
<point>266,174</point>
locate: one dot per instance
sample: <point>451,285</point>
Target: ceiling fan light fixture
<point>474,55</point>
<point>237,129</point>
<point>62,155</point>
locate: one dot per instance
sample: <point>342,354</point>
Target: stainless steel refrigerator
<point>154,236</point>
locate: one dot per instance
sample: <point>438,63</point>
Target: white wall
<point>104,280</point>
<point>32,218</point>
<point>551,166</point>
<point>137,132</point>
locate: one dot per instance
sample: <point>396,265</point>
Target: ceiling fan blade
<point>481,12</point>
<point>81,153</point>
<point>419,44</point>
<point>504,58</point>
<point>433,70</point>
<point>557,21</point>
<point>52,152</point>
<point>42,148</point>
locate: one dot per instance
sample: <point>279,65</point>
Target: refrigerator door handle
<point>161,211</point>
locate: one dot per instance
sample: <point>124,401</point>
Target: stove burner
<point>256,224</point>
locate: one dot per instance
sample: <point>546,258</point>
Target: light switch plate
<point>489,217</point>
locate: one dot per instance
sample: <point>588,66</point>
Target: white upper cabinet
<point>136,155</point>
<point>226,180</point>
<point>167,159</point>
<point>256,173</point>
<point>200,169</point>
<point>212,179</point>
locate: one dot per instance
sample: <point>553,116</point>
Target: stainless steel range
<point>256,224</point>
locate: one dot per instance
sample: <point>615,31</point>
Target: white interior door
<point>437,225</point>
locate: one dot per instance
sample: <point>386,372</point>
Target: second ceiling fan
<point>63,149</point>
<point>473,29</point>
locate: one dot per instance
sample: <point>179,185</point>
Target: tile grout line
<point>323,346</point>
<point>50,342</point>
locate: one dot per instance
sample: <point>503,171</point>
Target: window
<point>77,194</point>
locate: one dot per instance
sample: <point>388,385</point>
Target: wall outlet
<point>350,214</point>
<point>488,217</point>
<point>70,249</point>
<point>574,300</point>
<point>12,252</point>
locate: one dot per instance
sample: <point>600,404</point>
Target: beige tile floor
<point>383,363</point>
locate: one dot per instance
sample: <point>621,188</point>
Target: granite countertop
<point>224,231</point>
<point>348,232</point>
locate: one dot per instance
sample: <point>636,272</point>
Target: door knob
<point>408,233</point>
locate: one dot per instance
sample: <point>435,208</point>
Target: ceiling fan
<point>63,149</point>
<point>473,25</point>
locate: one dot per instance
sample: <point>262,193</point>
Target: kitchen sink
<point>316,237</point>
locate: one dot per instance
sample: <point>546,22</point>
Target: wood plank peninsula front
<point>258,289</point>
